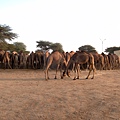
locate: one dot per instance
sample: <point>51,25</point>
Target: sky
<point>73,23</point>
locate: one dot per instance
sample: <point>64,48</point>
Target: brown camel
<point>5,59</point>
<point>57,58</point>
<point>80,58</point>
<point>106,62</point>
<point>38,59</point>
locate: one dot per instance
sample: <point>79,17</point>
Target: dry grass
<point>25,95</point>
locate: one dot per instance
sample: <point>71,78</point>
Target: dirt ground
<point>25,95</point>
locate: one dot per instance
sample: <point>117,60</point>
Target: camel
<point>106,62</point>
<point>31,59</point>
<point>14,60</point>
<point>5,59</point>
<point>22,60</point>
<point>45,57</point>
<point>117,62</point>
<point>38,59</point>
<point>57,58</point>
<point>111,59</point>
<point>79,58</point>
<point>69,55</point>
<point>96,59</point>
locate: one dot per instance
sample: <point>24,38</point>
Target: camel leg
<point>33,65</point>
<point>46,72</point>
<point>88,74</point>
<point>75,72</point>
<point>9,65</point>
<point>89,71</point>
<point>61,71</point>
<point>57,71</point>
<point>5,65</point>
<point>78,71</point>
<point>93,71</point>
<point>93,75</point>
<point>73,67</point>
<point>48,75</point>
<point>92,67</point>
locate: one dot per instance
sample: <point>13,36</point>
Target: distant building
<point>117,52</point>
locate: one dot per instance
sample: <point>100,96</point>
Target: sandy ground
<point>25,95</point>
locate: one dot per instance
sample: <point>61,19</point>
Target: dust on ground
<point>25,95</point>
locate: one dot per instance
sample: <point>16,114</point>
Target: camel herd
<point>65,62</point>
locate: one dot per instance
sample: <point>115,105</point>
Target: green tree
<point>19,46</point>
<point>112,49</point>
<point>56,47</point>
<point>44,45</point>
<point>11,47</point>
<point>6,33</point>
<point>87,48</point>
<point>3,45</point>
<point>26,52</point>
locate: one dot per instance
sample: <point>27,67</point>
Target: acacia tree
<point>3,45</point>
<point>56,47</point>
<point>44,45</point>
<point>112,49</point>
<point>87,48</point>
<point>6,33</point>
<point>19,46</point>
<point>11,47</point>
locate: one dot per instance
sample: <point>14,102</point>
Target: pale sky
<point>73,23</point>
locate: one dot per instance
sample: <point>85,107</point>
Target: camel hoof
<point>86,77</point>
<point>74,79</point>
<point>77,77</point>
<point>64,74</point>
<point>68,74</point>
<point>92,78</point>
<point>61,77</point>
<point>55,77</point>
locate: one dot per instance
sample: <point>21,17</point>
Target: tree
<point>19,46</point>
<point>87,48</point>
<point>11,47</point>
<point>6,33</point>
<point>44,45</point>
<point>3,45</point>
<point>112,49</point>
<point>56,47</point>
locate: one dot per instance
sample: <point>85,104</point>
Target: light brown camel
<point>69,55</point>
<point>45,56</point>
<point>80,58</point>
<point>57,58</point>
<point>5,59</point>
<point>106,62</point>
